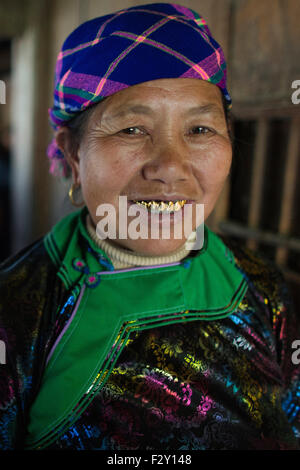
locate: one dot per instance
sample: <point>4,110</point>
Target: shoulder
<point>253,263</point>
<point>28,266</point>
<point>29,292</point>
<point>28,284</point>
<point>264,277</point>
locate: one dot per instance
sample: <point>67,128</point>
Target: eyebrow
<point>210,108</point>
<point>134,109</point>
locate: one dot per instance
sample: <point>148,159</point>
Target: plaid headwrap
<point>131,46</point>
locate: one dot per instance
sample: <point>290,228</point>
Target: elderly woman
<point>120,341</point>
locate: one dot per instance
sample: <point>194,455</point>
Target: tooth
<point>162,206</point>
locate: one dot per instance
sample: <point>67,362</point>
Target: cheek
<point>104,172</point>
<point>214,167</point>
<point>95,178</point>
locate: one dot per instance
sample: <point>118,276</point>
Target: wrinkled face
<point>164,140</point>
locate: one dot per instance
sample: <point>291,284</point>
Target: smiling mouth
<point>162,206</point>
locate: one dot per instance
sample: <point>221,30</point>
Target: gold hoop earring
<point>71,191</point>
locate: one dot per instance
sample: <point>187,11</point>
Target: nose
<point>169,164</point>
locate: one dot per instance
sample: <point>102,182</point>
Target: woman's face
<point>160,140</point>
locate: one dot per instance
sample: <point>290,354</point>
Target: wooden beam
<point>257,176</point>
<point>289,186</point>
<point>241,231</point>
<point>270,110</point>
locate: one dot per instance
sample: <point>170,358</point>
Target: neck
<point>123,258</point>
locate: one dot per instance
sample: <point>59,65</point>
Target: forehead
<point>179,93</point>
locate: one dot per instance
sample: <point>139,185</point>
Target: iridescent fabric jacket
<point>196,355</point>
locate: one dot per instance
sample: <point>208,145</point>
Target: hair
<point>228,118</point>
<point>78,125</point>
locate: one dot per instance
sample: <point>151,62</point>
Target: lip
<point>163,197</point>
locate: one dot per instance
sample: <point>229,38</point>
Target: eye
<point>198,130</point>
<point>133,131</point>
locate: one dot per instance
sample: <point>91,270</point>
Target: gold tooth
<point>171,206</point>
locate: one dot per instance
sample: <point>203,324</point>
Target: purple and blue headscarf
<point>107,54</point>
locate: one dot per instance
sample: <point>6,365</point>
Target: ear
<point>66,144</point>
